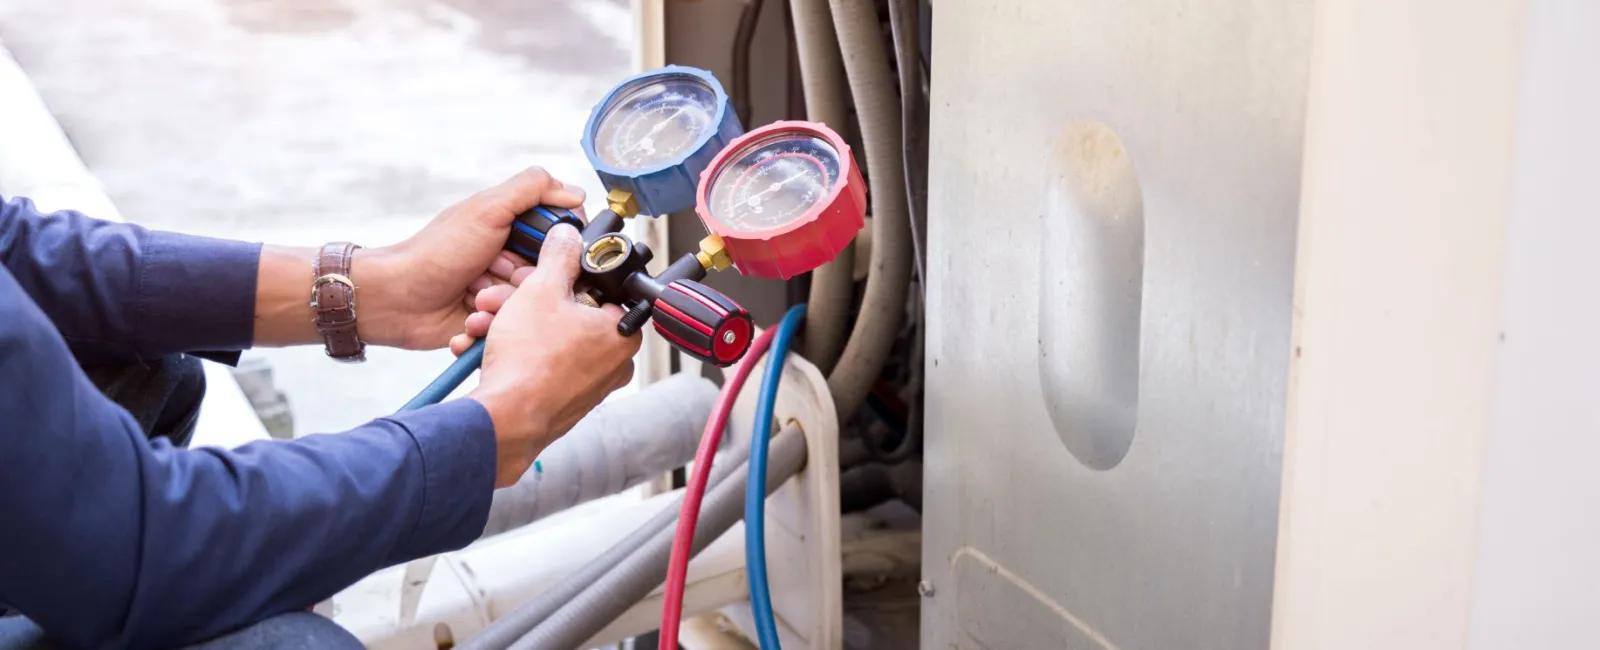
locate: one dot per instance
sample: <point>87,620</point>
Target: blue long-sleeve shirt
<point>108,540</point>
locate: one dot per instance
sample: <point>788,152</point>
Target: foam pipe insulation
<point>622,443</point>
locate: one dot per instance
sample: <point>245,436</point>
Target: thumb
<point>558,265</point>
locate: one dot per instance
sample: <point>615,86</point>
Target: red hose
<point>678,568</point>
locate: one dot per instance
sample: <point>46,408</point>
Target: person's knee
<point>163,396</point>
<point>188,378</point>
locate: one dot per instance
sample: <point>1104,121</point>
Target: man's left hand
<point>425,286</point>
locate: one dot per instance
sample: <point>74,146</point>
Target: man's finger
<point>564,196</point>
<point>478,322</point>
<point>504,265</point>
<point>459,344</point>
<point>519,193</point>
<point>483,282</point>
<point>558,263</point>
<point>492,299</point>
<point>520,275</point>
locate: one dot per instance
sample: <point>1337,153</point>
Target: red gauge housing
<point>805,242</point>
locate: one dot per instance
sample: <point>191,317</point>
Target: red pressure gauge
<point>785,198</point>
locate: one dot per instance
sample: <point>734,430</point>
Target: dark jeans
<point>294,631</point>
<point>164,397</point>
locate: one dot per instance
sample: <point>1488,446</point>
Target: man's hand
<point>415,294</point>
<point>548,360</point>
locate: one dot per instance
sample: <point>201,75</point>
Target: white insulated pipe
<point>622,443</point>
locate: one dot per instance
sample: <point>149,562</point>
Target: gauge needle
<point>647,140</point>
<point>755,199</point>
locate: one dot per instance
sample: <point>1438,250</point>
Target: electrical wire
<point>755,533</point>
<point>902,13</point>
<point>694,493</point>
<point>744,36</point>
<point>447,381</point>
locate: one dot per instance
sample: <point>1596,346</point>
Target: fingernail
<point>562,231</point>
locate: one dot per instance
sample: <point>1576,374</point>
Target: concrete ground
<point>303,121</point>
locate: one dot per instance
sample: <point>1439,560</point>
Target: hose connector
<point>713,255</point>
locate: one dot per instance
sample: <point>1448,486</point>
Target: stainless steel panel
<point>1114,189</point>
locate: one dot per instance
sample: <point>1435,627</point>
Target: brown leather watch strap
<point>333,298</point>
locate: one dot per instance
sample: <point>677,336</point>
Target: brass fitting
<point>606,253</point>
<point>623,203</point>
<point>713,254</point>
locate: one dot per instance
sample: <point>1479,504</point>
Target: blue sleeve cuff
<point>198,293</point>
<point>457,444</point>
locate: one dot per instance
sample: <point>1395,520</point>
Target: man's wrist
<point>284,316</point>
<point>379,297</point>
<point>519,428</point>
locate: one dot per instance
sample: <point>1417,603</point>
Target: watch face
<point>773,181</point>
<point>655,122</point>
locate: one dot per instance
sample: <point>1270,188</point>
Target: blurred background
<point>304,121</point>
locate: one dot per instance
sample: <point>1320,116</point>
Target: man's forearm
<point>283,297</point>
<point>116,291</point>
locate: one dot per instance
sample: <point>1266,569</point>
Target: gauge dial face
<point>655,122</point>
<point>773,181</point>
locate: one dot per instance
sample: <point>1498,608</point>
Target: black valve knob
<point>703,323</point>
<point>529,229</point>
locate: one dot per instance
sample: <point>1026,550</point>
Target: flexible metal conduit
<point>624,442</point>
<point>822,75</point>
<point>633,579</point>
<point>878,109</point>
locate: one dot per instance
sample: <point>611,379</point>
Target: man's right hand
<point>548,360</point>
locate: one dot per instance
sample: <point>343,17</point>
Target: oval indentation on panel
<point>1090,298</point>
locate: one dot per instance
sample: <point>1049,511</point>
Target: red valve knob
<point>703,323</point>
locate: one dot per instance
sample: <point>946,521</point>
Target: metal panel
<point>1114,190</point>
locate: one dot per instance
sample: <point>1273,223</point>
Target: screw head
<point>728,337</point>
<point>925,588</point>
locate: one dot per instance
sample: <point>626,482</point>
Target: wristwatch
<point>333,298</point>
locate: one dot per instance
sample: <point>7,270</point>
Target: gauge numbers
<point>657,122</point>
<point>774,181</point>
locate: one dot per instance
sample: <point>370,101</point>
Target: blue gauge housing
<point>666,185</point>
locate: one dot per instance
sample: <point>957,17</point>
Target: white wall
<point>1538,537</point>
<point>1439,486</point>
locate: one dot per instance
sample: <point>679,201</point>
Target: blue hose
<point>755,529</point>
<point>448,380</point>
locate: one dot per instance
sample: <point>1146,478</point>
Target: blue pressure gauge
<point>653,134</point>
